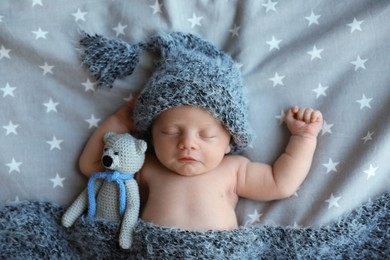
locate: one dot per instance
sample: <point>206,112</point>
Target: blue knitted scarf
<point>110,176</point>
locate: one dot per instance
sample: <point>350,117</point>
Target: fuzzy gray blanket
<point>33,231</point>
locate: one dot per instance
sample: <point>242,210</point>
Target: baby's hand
<point>304,121</point>
<point>125,113</point>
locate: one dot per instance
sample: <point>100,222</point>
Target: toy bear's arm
<point>131,214</point>
<point>78,206</point>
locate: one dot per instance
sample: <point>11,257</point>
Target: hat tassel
<point>108,59</point>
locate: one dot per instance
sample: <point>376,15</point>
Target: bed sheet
<point>331,55</point>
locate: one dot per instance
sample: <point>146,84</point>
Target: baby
<point>193,113</point>
<point>191,182</point>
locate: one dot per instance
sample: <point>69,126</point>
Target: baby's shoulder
<point>234,160</point>
<point>151,164</point>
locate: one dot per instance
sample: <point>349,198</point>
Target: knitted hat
<point>189,71</point>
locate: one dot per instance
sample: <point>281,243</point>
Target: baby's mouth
<point>187,159</point>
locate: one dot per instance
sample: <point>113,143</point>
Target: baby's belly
<point>196,217</point>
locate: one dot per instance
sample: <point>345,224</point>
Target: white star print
<point>79,15</point>
<point>120,29</point>
<point>326,128</point>
<point>13,166</point>
<point>368,137</point>
<point>51,106</point>
<point>37,2</point>
<point>364,102</point>
<point>277,80</point>
<point>54,143</point>
<point>195,20</point>
<point>253,218</point>
<point>57,181</point>
<point>330,166</point>
<point>315,53</point>
<point>40,34</point>
<point>281,117</point>
<point>14,202</point>
<point>355,25</point>
<point>371,171</point>
<point>359,63</point>
<point>296,192</point>
<point>127,99</point>
<point>8,90</point>
<point>320,90</point>
<point>313,19</point>
<point>296,225</point>
<point>273,43</point>
<point>270,6</point>
<point>156,7</point>
<point>47,68</point>
<point>234,30</point>
<point>333,201</point>
<point>4,53</point>
<point>93,122</point>
<point>11,128</point>
<point>89,85</point>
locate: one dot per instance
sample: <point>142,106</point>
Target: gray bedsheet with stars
<point>328,54</point>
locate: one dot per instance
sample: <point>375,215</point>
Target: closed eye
<point>170,131</point>
<point>207,134</point>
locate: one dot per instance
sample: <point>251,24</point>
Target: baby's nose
<point>188,141</point>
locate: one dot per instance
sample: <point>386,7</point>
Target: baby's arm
<point>119,122</point>
<point>264,182</point>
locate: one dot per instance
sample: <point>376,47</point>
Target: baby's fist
<point>304,121</point>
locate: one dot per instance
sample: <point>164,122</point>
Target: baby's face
<point>189,140</point>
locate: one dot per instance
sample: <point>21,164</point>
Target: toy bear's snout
<point>107,161</point>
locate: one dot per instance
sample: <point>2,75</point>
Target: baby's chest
<point>208,185</point>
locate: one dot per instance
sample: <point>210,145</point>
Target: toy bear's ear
<point>141,146</point>
<point>108,135</point>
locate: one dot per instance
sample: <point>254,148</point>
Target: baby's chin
<point>189,173</point>
<point>189,170</point>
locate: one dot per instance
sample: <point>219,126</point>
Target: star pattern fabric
<point>79,15</point>
<point>273,43</point>
<point>315,53</point>
<point>329,55</point>
<point>195,20</point>
<point>313,18</point>
<point>8,90</point>
<point>11,128</point>
<point>4,53</point>
<point>40,34</point>
<point>330,166</point>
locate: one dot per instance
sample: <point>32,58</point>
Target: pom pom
<point>108,59</point>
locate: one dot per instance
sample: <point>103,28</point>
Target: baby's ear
<point>228,149</point>
<point>229,146</point>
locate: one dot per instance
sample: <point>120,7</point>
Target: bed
<point>330,55</point>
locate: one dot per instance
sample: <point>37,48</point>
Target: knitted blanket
<point>33,231</point>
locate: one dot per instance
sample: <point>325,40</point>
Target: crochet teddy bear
<point>113,194</point>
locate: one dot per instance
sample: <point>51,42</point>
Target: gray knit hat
<point>189,71</point>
